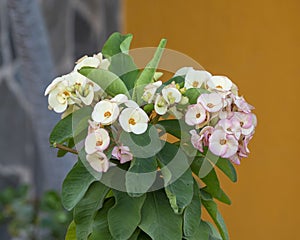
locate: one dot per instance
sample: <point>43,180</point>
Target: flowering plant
<point>147,149</point>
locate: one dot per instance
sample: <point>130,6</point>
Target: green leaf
<point>100,227</point>
<point>212,210</point>
<point>123,66</point>
<point>214,234</point>
<point>135,235</point>
<point>227,168</point>
<point>213,187</point>
<point>171,126</point>
<point>158,219</point>
<point>147,74</point>
<point>143,145</point>
<point>178,80</point>
<point>80,123</point>
<point>107,80</point>
<point>209,161</point>
<point>141,176</point>
<point>116,43</point>
<point>62,132</point>
<point>71,144</point>
<point>125,215</point>
<point>143,236</point>
<point>202,232</point>
<point>71,232</point>
<point>175,127</point>
<point>211,180</point>
<point>192,214</point>
<point>177,176</point>
<point>194,93</point>
<point>86,209</point>
<point>75,185</point>
<point>72,126</point>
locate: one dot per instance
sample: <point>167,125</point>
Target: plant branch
<point>65,148</point>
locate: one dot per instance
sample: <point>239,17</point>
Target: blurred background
<point>255,43</point>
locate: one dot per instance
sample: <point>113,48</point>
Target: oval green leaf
<point>125,215</point>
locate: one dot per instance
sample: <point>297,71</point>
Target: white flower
<point>161,105</point>
<point>97,141</point>
<point>219,83</point>
<point>195,78</point>
<point>106,112</point>
<point>222,144</point>
<point>195,114</point>
<point>96,61</point>
<point>53,85</point>
<point>131,104</point>
<point>134,120</point>
<point>182,71</point>
<point>59,95</point>
<point>150,90</point>
<point>212,102</point>
<point>98,161</point>
<point>171,94</point>
<point>119,99</point>
<point>83,87</point>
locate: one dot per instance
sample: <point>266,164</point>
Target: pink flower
<point>222,144</point>
<point>195,115</point>
<point>231,126</point>
<point>247,122</point>
<point>196,140</point>
<point>212,102</point>
<point>201,139</point>
<point>242,105</point>
<point>243,147</point>
<point>226,112</point>
<point>122,153</point>
<point>205,133</point>
<point>235,159</point>
<point>93,126</point>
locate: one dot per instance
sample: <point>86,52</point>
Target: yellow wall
<point>257,44</point>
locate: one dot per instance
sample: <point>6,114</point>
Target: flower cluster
<point>113,116</point>
<point>71,91</point>
<point>221,120</point>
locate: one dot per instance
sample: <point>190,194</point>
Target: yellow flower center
<point>223,141</point>
<point>219,86</point>
<point>198,115</point>
<point>66,93</point>
<point>131,121</point>
<point>99,143</point>
<point>195,84</point>
<point>210,105</point>
<point>107,114</point>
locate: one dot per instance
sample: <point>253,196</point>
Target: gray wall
<point>38,41</point>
